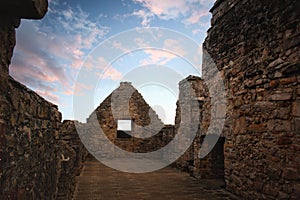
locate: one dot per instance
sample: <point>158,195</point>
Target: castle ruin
<point>255,45</point>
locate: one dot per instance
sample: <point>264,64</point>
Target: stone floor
<point>100,182</point>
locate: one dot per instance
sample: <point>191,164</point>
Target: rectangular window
<point>123,128</point>
<point>124,125</point>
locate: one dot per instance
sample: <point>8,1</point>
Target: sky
<point>74,35</point>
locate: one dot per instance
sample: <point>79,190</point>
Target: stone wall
<point>40,156</point>
<point>35,158</point>
<point>186,161</point>
<point>212,165</point>
<point>127,103</point>
<point>29,145</point>
<point>255,45</point>
<point>72,159</point>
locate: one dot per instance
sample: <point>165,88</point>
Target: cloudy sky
<point>51,52</point>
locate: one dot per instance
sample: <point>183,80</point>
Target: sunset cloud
<point>50,52</point>
<point>102,68</point>
<point>76,35</point>
<point>157,56</point>
<point>171,49</point>
<point>146,17</point>
<point>112,74</point>
<point>189,12</point>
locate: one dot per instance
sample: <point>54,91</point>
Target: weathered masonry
<point>256,46</point>
<point>127,105</point>
<point>212,165</point>
<point>39,155</point>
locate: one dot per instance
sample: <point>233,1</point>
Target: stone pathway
<point>100,182</point>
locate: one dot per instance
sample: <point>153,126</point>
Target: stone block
<point>236,180</point>
<point>296,193</point>
<point>282,113</point>
<point>283,140</point>
<point>298,92</point>
<point>295,147</point>
<point>282,195</point>
<point>288,80</point>
<point>296,108</point>
<point>239,126</point>
<point>270,190</point>
<point>257,127</point>
<point>3,127</point>
<point>278,125</point>
<point>281,97</point>
<point>274,172</point>
<point>290,173</point>
<point>257,185</point>
<point>3,78</point>
<point>277,63</point>
<point>297,125</point>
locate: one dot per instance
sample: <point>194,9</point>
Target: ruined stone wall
<point>212,165</point>
<point>72,160</point>
<point>29,145</point>
<point>40,156</point>
<point>33,156</point>
<point>186,161</point>
<point>127,103</point>
<point>255,45</point>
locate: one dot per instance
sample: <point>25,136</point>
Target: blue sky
<point>50,53</point>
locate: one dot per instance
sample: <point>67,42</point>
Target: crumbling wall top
<point>221,7</point>
<point>125,84</point>
<point>27,9</point>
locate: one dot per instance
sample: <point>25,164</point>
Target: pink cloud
<point>166,9</point>
<point>102,68</point>
<point>189,11</point>
<point>79,89</point>
<point>99,63</point>
<point>157,56</point>
<point>118,45</point>
<point>171,49</point>
<point>141,42</point>
<point>50,54</point>
<point>174,46</point>
<point>111,73</point>
<point>196,16</point>
<point>146,17</point>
